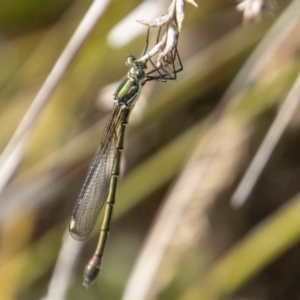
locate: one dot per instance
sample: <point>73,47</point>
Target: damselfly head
<point>136,72</point>
<point>129,61</point>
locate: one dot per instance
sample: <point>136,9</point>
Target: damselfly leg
<point>164,67</point>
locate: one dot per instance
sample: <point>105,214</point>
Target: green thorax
<point>129,89</point>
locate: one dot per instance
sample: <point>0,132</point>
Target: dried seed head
<point>192,2</point>
<point>166,63</point>
<point>173,21</point>
<point>157,22</point>
<point>179,13</point>
<point>171,43</point>
<point>252,9</point>
<point>157,48</point>
<point>175,15</point>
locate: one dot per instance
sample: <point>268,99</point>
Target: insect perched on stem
<point>101,182</point>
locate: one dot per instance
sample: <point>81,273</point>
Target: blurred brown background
<point>217,252</point>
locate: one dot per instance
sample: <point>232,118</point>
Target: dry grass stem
<point>208,166</point>
<point>173,22</point>
<point>266,148</point>
<point>248,75</point>
<point>263,53</point>
<point>14,151</point>
<point>175,15</point>
<point>252,9</point>
<point>63,271</point>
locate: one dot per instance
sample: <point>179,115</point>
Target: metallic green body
<point>101,182</point>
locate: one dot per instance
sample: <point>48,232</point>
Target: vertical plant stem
<point>14,151</point>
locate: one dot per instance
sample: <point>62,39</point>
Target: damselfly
<point>101,182</point>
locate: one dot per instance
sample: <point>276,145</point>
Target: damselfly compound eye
<point>129,60</point>
<point>139,74</point>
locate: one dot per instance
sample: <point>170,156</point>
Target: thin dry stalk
<point>146,269</point>
<point>14,151</point>
<point>252,9</point>
<point>263,53</point>
<point>266,148</point>
<point>173,21</point>
<point>206,166</point>
<point>280,30</point>
<point>49,181</point>
<point>64,267</point>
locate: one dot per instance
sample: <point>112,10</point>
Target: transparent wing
<point>95,189</point>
